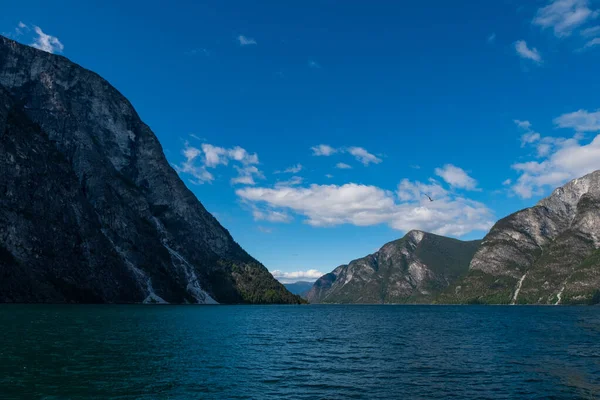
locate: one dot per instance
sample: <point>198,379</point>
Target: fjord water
<point>298,352</point>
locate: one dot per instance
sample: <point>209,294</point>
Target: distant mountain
<point>300,288</point>
<point>546,254</point>
<point>90,209</point>
<point>413,269</point>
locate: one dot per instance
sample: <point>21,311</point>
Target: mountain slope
<point>300,288</point>
<point>410,270</point>
<point>546,254</point>
<point>114,222</point>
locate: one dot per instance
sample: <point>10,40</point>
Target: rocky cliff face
<point>413,269</point>
<point>546,254</point>
<point>90,209</point>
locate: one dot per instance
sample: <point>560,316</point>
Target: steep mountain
<point>409,270</point>
<point>300,288</point>
<point>546,254</point>
<point>90,209</point>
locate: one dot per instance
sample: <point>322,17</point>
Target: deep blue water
<point>299,352</point>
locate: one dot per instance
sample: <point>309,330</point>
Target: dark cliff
<point>90,209</point>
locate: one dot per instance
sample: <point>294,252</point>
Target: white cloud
<point>564,158</point>
<point>363,205</point>
<point>564,16</point>
<point>293,181</point>
<point>581,121</point>
<point>544,145</point>
<point>591,32</point>
<point>456,177</point>
<point>529,137</point>
<point>208,156</point>
<point>507,182</point>
<point>245,41</point>
<point>20,28</point>
<point>361,154</point>
<point>523,124</point>
<point>246,175</point>
<point>342,165</point>
<point>264,229</point>
<point>291,277</point>
<point>271,216</point>
<point>525,52</point>
<point>364,156</point>
<point>213,155</point>
<point>329,176</point>
<point>294,169</point>
<point>47,43</point>
<point>323,150</point>
<point>592,43</point>
<point>200,174</point>
<point>417,191</point>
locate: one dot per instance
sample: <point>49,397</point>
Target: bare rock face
<point>90,209</point>
<point>546,254</point>
<point>413,269</point>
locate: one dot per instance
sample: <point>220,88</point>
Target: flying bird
<point>430,199</point>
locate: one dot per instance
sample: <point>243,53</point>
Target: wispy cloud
<point>323,150</point>
<point>364,156</point>
<point>313,64</point>
<point>564,16</point>
<point>293,181</point>
<point>47,43</point>
<point>264,229</point>
<point>456,177</point>
<point>580,121</point>
<point>271,216</point>
<point>294,169</point>
<point>359,153</point>
<point>21,28</point>
<point>191,167</point>
<point>343,166</point>
<point>563,158</point>
<point>529,136</point>
<point>198,51</point>
<point>246,175</point>
<point>591,32</point>
<point>296,276</point>
<point>199,160</point>
<point>528,53</point>
<point>491,38</point>
<point>246,41</point>
<point>592,43</point>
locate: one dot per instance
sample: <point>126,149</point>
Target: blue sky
<point>311,130</point>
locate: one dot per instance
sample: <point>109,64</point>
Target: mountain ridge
<point>167,242</point>
<point>545,254</point>
<point>408,270</point>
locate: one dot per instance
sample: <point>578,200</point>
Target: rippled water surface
<point>299,352</point>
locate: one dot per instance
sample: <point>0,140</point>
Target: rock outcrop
<point>90,209</point>
<point>413,269</point>
<point>546,254</point>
